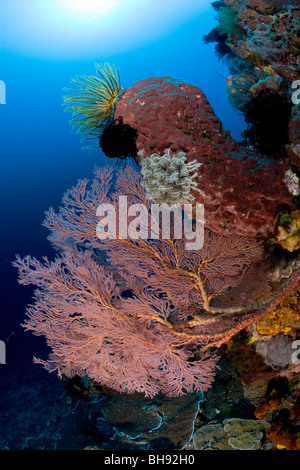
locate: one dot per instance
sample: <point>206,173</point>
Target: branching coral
<point>169,179</point>
<point>140,314</point>
<point>93,104</point>
<point>94,330</point>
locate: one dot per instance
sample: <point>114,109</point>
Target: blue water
<point>41,157</point>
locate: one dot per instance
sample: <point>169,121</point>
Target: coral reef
<point>271,32</point>
<point>269,48</point>
<point>161,423</point>
<point>266,48</point>
<point>234,433</point>
<point>211,437</point>
<point>293,151</point>
<point>284,319</point>
<point>288,230</point>
<point>244,434</point>
<point>168,113</point>
<point>151,316</point>
<point>293,183</point>
<point>156,114</point>
<point>143,316</point>
<point>249,395</point>
<point>276,351</point>
<point>238,87</point>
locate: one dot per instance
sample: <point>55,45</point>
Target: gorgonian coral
<point>136,314</point>
<point>93,103</point>
<point>124,343</point>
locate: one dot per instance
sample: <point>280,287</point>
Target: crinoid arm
<point>93,102</point>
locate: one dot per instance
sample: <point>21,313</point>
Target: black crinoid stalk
<point>118,140</point>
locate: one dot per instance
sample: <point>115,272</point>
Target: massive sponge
<point>242,191</point>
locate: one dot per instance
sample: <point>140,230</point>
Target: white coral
<point>169,179</point>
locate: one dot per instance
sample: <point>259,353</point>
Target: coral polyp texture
<point>136,314</point>
<point>93,102</point>
<point>283,319</point>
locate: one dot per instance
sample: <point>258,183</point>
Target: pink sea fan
<point>125,344</point>
<point>139,315</point>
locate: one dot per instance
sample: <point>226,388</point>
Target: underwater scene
<point>150,227</point>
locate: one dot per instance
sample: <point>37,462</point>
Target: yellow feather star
<point>93,104</point>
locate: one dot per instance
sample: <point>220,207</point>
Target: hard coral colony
<point>143,315</point>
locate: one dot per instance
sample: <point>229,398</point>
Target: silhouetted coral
<point>223,51</point>
<point>118,140</point>
<point>268,113</point>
